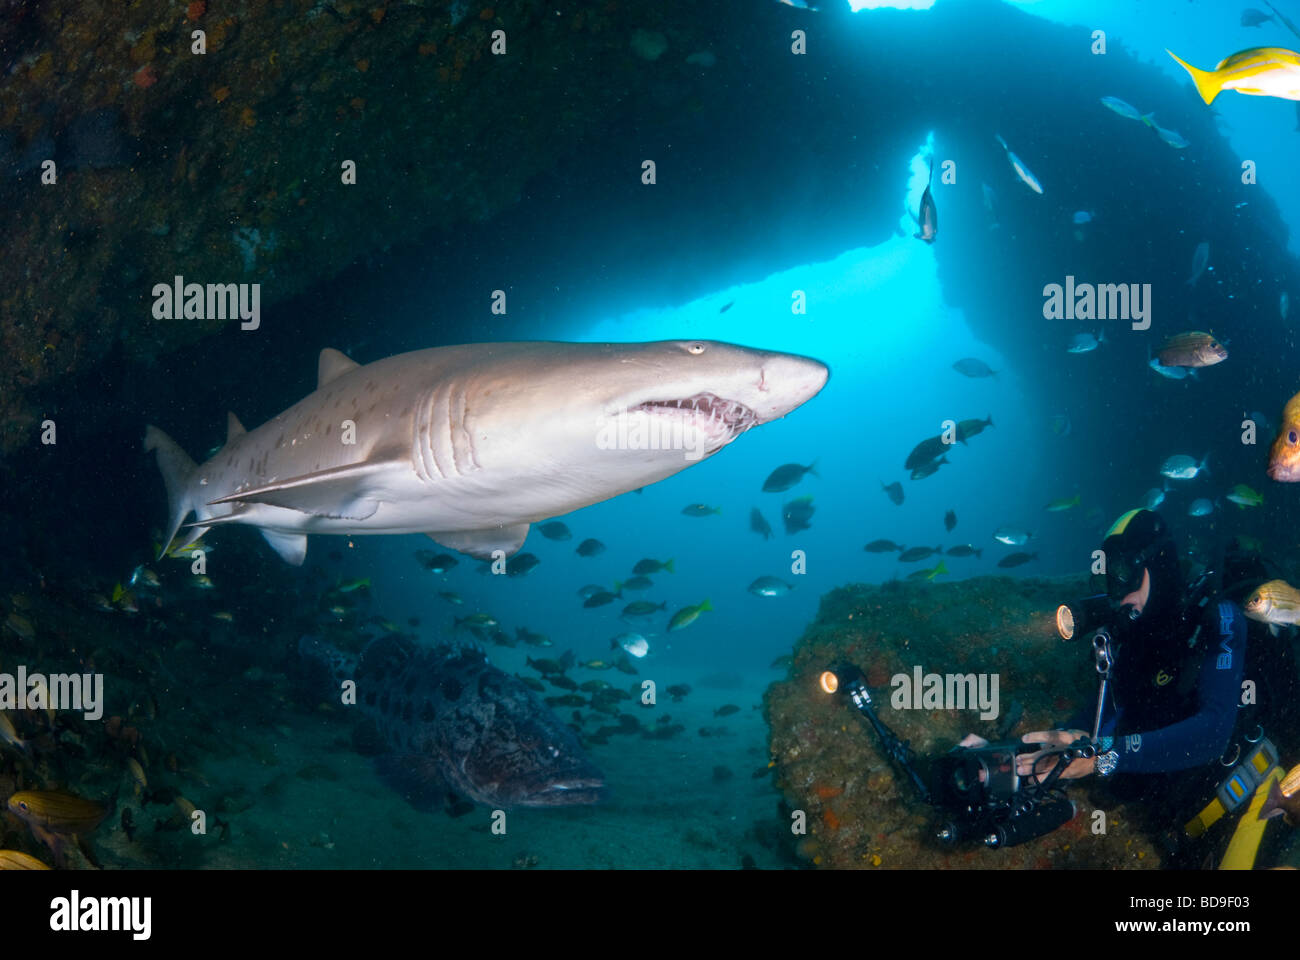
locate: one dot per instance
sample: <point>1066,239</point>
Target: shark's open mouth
<point>723,420</point>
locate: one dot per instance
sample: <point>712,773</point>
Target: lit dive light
<point>829,681</point>
<point>1082,615</point>
<point>1065,621</point>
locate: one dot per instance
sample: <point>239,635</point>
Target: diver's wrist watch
<point>1106,763</point>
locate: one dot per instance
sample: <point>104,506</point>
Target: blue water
<point>783,181</point>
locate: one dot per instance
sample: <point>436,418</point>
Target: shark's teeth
<point>736,416</point>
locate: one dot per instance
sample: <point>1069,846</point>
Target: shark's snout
<point>787,382</point>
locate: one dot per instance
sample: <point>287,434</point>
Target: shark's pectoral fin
<point>338,492</point>
<point>292,547</point>
<point>481,543</point>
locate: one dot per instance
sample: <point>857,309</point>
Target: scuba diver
<point>1172,724</point>
<point>1174,696</point>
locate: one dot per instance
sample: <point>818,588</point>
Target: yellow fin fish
<point>1257,72</point>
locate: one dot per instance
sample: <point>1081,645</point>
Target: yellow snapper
<point>54,815</point>
<point>17,860</point>
<point>57,811</point>
<point>1275,602</point>
<point>1257,72</point>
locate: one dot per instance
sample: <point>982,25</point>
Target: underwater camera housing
<point>976,789</point>
<point>986,800</point>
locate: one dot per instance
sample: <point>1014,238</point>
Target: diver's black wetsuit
<point>1171,714</point>
<point>1169,710</point>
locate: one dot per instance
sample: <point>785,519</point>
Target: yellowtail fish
<point>687,615</point>
<point>202,581</point>
<point>1257,72</point>
<point>17,860</point>
<point>1122,108</point>
<point>1275,603</point>
<point>124,599</point>
<point>185,552</point>
<point>1243,496</point>
<point>1058,506</point>
<point>347,586</point>
<point>224,615</point>
<point>928,574</point>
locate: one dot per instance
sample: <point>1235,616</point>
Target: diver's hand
<point>1042,760</point>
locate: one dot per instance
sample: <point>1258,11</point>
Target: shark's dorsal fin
<point>332,365</point>
<point>481,543</point>
<point>233,427</point>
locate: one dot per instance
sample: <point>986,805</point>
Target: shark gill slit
<point>425,441</point>
<point>462,446</point>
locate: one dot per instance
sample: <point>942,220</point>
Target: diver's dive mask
<point>1124,574</point>
<point>1137,544</point>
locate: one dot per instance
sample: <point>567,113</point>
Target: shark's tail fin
<point>178,471</point>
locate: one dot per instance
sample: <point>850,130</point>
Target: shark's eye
<point>696,348</point>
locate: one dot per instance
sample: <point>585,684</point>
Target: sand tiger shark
<point>471,444</point>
